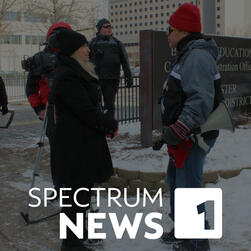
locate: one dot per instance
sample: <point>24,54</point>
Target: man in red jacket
<point>37,91</point>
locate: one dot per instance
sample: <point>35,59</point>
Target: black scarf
<point>190,37</point>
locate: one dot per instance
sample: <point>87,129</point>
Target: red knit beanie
<point>186,18</point>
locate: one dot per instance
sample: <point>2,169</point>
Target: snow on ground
<point>231,151</point>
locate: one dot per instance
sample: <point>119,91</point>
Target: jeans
<point>190,175</point>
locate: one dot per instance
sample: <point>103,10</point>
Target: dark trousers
<point>83,197</point>
<point>109,89</point>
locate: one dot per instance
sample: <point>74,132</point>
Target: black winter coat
<point>108,54</point>
<point>81,151</point>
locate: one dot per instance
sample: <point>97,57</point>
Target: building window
<point>156,15</point>
<point>12,16</point>
<point>135,32</point>
<point>32,39</point>
<point>35,17</point>
<point>218,16</point>
<point>218,8</point>
<point>11,39</point>
<point>156,7</point>
<point>218,25</point>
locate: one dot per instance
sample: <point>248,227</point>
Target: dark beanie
<point>101,22</point>
<point>69,41</point>
<point>186,18</point>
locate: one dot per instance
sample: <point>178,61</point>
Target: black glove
<point>108,125</point>
<point>129,82</point>
<point>176,133</point>
<point>4,109</point>
<point>158,145</point>
<point>170,138</point>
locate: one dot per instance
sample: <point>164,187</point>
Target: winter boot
<point>93,242</point>
<point>74,246</point>
<point>192,245</point>
<point>169,238</point>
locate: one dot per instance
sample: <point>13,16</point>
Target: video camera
<point>40,63</point>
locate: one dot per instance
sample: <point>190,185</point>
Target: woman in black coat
<point>82,157</point>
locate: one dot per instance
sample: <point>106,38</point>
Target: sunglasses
<point>107,26</point>
<point>171,29</point>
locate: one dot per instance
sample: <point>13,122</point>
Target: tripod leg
<point>36,164</point>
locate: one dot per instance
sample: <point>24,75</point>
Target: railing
<point>127,102</point>
<point>15,86</point>
<point>127,99</point>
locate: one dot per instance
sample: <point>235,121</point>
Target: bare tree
<point>5,6</point>
<point>78,13</point>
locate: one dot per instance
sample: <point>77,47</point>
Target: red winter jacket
<point>37,89</point>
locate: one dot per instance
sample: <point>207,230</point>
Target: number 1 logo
<point>190,215</point>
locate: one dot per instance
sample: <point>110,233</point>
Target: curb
<point>153,181</point>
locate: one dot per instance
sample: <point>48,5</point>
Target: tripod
<point>35,173</point>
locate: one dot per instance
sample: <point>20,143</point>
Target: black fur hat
<point>69,41</point>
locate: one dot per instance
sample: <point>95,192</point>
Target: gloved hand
<point>108,125</point>
<point>175,133</point>
<point>158,145</point>
<point>180,153</point>
<point>112,134</point>
<point>128,82</point>
<point>4,109</point>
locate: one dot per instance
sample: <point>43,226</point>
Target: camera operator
<point>37,91</point>
<point>3,98</point>
<point>82,156</point>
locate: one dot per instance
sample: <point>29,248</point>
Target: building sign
<point>234,66</point>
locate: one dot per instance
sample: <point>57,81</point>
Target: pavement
<point>17,155</point>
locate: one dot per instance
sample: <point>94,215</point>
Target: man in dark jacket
<point>37,91</point>
<point>191,92</point>
<point>3,98</point>
<point>108,54</point>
